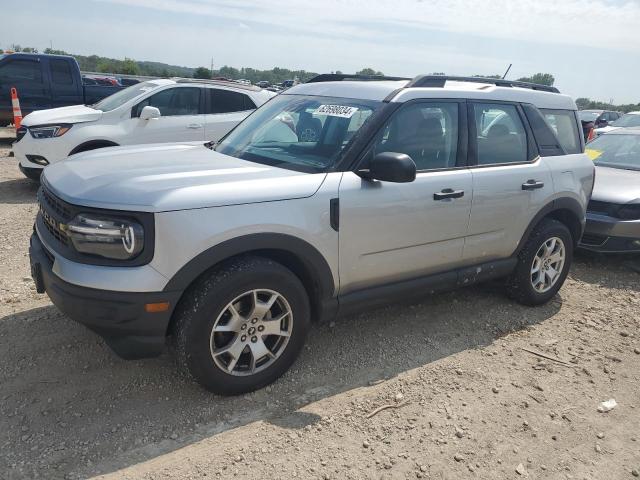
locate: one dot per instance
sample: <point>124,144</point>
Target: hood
<point>163,177</point>
<point>605,129</point>
<point>71,114</point>
<point>616,185</point>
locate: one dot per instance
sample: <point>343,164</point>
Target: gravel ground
<point>467,400</point>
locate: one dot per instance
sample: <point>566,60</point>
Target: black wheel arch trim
<point>92,145</point>
<point>556,209</point>
<point>273,245</point>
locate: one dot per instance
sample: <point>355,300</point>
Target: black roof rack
<point>339,77</point>
<point>226,83</point>
<point>439,81</point>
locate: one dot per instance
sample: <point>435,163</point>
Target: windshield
<point>123,96</point>
<point>615,151</point>
<point>588,116</point>
<point>303,133</point>
<point>627,120</point>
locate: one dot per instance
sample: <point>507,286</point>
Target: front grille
<point>593,240</point>
<point>21,132</point>
<point>54,214</point>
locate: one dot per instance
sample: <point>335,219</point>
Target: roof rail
<point>439,81</point>
<point>226,83</point>
<point>339,77</point>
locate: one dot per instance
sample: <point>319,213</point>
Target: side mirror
<point>149,113</point>
<point>391,167</point>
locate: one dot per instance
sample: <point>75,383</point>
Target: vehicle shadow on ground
<point>18,191</point>
<point>57,377</point>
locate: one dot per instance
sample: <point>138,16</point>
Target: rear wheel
<point>543,264</point>
<point>243,326</point>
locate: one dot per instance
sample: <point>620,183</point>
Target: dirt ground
<point>468,400</point>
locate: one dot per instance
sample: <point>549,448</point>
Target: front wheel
<point>543,264</point>
<point>243,326</point>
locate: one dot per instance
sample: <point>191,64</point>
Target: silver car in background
<point>613,214</point>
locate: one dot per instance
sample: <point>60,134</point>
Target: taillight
<point>592,134</point>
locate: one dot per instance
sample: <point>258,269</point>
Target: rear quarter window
<point>564,125</point>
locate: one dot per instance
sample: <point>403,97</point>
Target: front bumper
<point>610,235</point>
<point>119,317</point>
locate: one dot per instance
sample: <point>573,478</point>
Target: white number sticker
<point>336,111</point>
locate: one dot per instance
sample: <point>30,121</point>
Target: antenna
<point>505,73</point>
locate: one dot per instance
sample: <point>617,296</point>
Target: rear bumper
<point>610,235</point>
<point>119,317</point>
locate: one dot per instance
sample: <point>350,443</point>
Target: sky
<point>592,47</point>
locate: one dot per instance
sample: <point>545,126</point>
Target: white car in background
<point>628,120</point>
<point>156,111</point>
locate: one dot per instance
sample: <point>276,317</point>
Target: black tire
<point>205,301</point>
<point>519,284</point>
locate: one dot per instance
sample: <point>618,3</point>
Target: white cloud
<point>589,23</point>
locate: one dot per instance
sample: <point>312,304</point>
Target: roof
<point>372,90</point>
<point>395,91</point>
<point>221,83</point>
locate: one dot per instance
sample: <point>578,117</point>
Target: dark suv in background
<point>592,119</point>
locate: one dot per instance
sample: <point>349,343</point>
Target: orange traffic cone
<point>15,103</point>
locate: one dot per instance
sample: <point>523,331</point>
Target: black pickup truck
<point>44,81</point>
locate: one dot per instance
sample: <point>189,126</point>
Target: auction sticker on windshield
<point>336,111</point>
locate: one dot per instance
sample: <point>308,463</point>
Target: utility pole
<point>211,67</point>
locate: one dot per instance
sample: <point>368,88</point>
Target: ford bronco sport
<point>337,194</point>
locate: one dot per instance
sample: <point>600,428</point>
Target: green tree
<point>540,79</point>
<point>202,72</point>
<point>583,103</point>
<point>128,67</point>
<point>53,51</point>
<point>369,71</point>
<point>106,65</point>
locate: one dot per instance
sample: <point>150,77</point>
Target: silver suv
<point>335,195</point>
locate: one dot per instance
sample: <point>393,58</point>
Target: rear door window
<point>61,72</point>
<point>227,101</point>
<point>564,125</point>
<point>21,70</point>
<point>501,135</point>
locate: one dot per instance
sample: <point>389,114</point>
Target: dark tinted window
<point>501,134</point>
<point>225,101</point>
<point>427,132</point>
<point>564,125</point>
<point>172,102</point>
<point>588,116</point>
<point>61,72</point>
<point>21,70</point>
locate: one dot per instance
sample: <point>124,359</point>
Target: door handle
<point>194,125</point>
<point>448,193</point>
<point>532,185</point>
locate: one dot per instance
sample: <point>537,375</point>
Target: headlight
<point>50,131</point>
<point>629,212</point>
<point>119,239</point>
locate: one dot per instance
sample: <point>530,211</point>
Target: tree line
<point>128,66</point>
